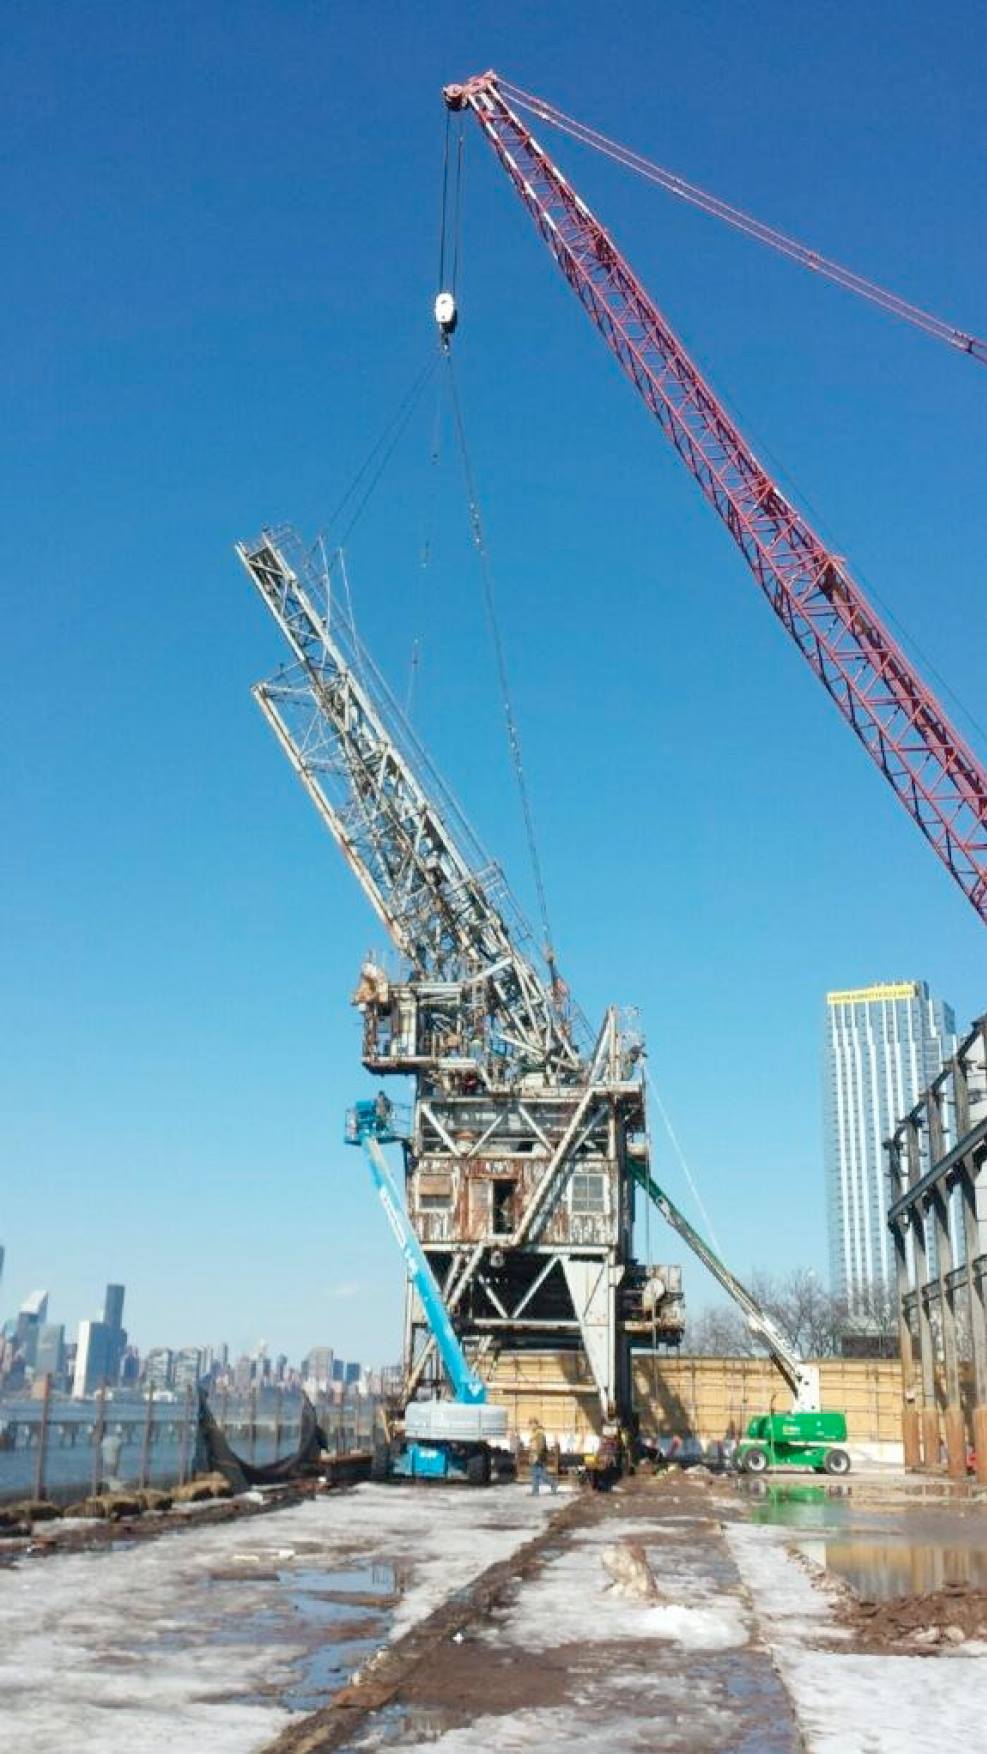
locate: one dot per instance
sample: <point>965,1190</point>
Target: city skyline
<point>102,1355</point>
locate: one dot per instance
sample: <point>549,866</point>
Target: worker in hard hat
<point>538,1454</point>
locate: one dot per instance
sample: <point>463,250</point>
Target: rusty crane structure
<point>526,1131</point>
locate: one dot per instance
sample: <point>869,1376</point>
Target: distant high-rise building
<point>317,1368</point>
<point>113,1319</point>
<point>93,1358</point>
<point>188,1368</point>
<point>130,1366</point>
<point>159,1367</point>
<point>338,1370</point>
<point>884,1044</point>
<point>29,1323</point>
<point>49,1359</point>
<point>351,1374</point>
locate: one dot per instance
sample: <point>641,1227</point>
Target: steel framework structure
<point>941,783</point>
<point>525,1135</point>
<point>937,1163</point>
<point>452,918</point>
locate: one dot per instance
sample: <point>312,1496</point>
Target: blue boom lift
<point>443,1440</point>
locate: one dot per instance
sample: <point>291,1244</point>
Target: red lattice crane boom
<point>941,783</point>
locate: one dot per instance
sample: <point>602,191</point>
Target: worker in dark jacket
<point>538,1454</point>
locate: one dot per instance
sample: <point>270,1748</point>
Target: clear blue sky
<point>220,230</point>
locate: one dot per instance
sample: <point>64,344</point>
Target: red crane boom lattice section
<point>896,717</point>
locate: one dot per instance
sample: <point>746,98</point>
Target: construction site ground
<point>679,1612</point>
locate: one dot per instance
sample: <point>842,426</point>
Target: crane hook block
<point>446,314</point>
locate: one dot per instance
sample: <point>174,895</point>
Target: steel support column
<point>954,1423</point>
<point>910,1435</point>
<point>929,1411</point>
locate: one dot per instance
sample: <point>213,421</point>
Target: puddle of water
<point>795,1504</point>
<point>354,1580</point>
<point>883,1571</point>
<point>356,1604</point>
<point>397,1724</point>
<point>884,1552</point>
<point>340,1616</point>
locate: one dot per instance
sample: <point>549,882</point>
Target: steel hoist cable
<point>380,454</point>
<point>892,302</point>
<point>513,736</point>
<point>446,314</point>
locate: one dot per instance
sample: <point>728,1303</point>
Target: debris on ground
<point>931,1623</point>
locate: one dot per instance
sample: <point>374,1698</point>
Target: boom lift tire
<point>478,1469</point>
<point>837,1461</point>
<point>756,1460</point>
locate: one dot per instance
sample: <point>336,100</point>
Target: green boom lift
<point>804,1438</point>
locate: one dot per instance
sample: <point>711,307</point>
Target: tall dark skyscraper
<point>113,1322</point>
<point>50,1356</point>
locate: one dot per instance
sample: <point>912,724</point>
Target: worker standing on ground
<point>538,1452</point>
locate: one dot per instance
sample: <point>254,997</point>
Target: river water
<point>72,1462</point>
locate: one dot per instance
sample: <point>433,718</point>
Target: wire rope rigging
<point>893,713</point>
<point>897,306</point>
<point>446,316</point>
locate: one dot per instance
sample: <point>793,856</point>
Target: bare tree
<point>812,1318</point>
<point>717,1332</point>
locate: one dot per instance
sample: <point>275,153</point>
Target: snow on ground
<point>545,1729</point>
<point>849,1703</point>
<point>188,1641</point>
<point>451,1534</point>
<point>574,1591</point>
<point>569,1730</point>
<point>677,1673</point>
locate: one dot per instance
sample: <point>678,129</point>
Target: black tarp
<point>214,1455</point>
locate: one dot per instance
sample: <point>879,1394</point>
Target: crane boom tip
<point>456,97</point>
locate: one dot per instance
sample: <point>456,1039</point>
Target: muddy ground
<point>917,1625</point>
<point>549,1646</point>
<point>402,1618</point>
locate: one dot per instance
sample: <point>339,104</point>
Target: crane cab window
<point>434,1193</point>
<point>588,1193</point>
<point>503,1212</point>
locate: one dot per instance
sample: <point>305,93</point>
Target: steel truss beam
<point>452,918</point>
<point>941,783</point>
